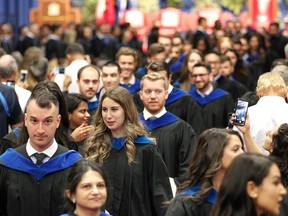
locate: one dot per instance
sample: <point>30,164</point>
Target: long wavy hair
<point>99,143</point>
<point>280,151</point>
<point>207,161</point>
<point>232,197</point>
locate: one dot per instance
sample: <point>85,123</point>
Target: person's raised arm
<point>251,146</point>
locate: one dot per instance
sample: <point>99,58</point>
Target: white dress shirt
<point>49,151</point>
<point>148,115</point>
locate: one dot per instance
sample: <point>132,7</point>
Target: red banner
<point>262,12</point>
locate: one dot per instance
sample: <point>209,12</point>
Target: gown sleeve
<point>3,189</point>
<point>178,207</point>
<point>160,184</point>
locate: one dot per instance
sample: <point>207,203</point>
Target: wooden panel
<point>55,11</point>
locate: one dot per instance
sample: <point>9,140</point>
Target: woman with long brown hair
<point>215,151</point>
<point>139,178</point>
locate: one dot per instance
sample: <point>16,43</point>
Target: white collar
<point>49,151</point>
<point>207,92</point>
<point>93,99</point>
<point>170,88</point>
<point>147,114</point>
<point>132,81</point>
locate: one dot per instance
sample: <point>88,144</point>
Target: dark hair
<point>73,100</point>
<point>43,99</point>
<point>54,27</point>
<point>224,58</point>
<point>212,52</point>
<point>232,197</point>
<point>75,176</point>
<point>200,20</point>
<point>38,69</point>
<point>203,64</point>
<point>207,160</point>
<point>239,68</point>
<point>85,67</point>
<point>159,65</point>
<point>280,149</point>
<point>251,97</point>
<point>75,48</point>
<point>178,36</point>
<point>62,135</point>
<point>184,73</point>
<point>111,63</point>
<point>155,48</point>
<point>276,24</point>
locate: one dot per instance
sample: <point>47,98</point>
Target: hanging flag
<point>121,6</point>
<point>105,12</point>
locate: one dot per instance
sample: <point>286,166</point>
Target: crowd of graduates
<point>94,125</point>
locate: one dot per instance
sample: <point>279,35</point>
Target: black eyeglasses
<point>194,76</point>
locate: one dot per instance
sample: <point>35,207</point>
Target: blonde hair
<point>271,84</point>
<point>127,51</point>
<point>154,77</point>
<point>98,144</point>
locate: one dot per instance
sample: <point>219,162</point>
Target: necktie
<point>39,157</point>
<point>152,118</point>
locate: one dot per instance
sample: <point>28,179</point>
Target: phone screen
<point>241,112</point>
<point>59,70</point>
<point>23,74</point>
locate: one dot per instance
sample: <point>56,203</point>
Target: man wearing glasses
<point>215,102</point>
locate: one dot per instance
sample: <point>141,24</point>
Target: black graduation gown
<point>181,104</point>
<point>139,188</point>
<point>176,141</point>
<point>183,205</point>
<point>55,49</point>
<point>284,206</point>
<point>31,190</point>
<point>215,107</point>
<point>235,88</point>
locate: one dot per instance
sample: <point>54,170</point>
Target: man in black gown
<point>179,102</point>
<point>175,138</point>
<point>215,102</point>
<point>33,176</point>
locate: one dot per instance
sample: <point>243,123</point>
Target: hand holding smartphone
<point>241,112</point>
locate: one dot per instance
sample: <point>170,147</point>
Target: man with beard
<point>215,102</point>
<point>88,81</point>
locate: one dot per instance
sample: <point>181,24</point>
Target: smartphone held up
<point>241,112</point>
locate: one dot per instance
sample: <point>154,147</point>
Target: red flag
<point>105,12</point>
